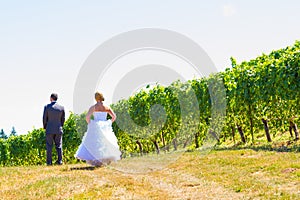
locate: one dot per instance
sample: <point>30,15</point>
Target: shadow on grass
<point>84,168</point>
<point>277,147</point>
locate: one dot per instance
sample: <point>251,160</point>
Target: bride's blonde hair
<point>99,96</point>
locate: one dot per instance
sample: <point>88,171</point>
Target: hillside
<point>218,174</point>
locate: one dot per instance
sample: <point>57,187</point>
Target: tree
<point>13,132</point>
<point>2,134</point>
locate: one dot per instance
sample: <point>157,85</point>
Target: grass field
<point>224,173</point>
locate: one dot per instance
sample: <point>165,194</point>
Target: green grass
<point>242,172</point>
<point>256,174</point>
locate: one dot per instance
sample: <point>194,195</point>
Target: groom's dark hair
<point>54,96</point>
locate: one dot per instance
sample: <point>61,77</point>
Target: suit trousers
<point>57,138</point>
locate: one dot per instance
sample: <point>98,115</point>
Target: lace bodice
<point>100,116</point>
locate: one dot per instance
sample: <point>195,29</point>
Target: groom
<point>53,121</point>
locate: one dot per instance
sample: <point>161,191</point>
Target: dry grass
<point>219,174</point>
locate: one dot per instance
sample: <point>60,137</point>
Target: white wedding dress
<point>99,144</point>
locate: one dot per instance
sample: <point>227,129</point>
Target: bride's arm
<point>111,113</point>
<point>89,114</point>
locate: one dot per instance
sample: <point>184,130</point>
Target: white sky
<point>43,45</point>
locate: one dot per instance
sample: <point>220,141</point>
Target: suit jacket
<point>54,118</point>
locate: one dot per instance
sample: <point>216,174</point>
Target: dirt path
<point>183,186</point>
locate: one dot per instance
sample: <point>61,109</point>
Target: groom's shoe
<point>59,163</point>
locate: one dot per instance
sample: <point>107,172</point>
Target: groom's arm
<point>63,117</point>
<point>45,117</point>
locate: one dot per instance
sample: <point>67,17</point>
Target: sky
<point>43,45</point>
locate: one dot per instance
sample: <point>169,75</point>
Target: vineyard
<point>262,94</point>
<point>238,104</point>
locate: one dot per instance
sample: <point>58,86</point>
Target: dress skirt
<point>99,144</point>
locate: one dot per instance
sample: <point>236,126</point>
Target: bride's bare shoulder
<point>92,108</point>
<point>100,108</point>
<point>107,108</point>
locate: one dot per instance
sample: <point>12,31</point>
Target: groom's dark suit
<point>53,121</point>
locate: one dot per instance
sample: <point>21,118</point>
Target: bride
<point>99,144</point>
